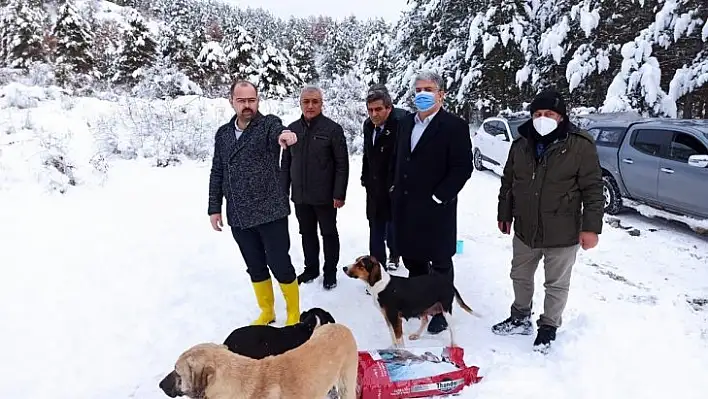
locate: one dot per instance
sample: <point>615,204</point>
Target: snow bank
<point>698,225</point>
<point>62,141</point>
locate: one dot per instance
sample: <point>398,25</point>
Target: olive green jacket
<point>553,199</point>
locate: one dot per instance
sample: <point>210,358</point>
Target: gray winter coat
<point>246,173</point>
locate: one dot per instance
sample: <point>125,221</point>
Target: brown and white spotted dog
<point>405,298</point>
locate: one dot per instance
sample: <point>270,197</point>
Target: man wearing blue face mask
<point>551,191</point>
<point>433,162</point>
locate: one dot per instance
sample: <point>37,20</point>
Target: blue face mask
<point>424,101</point>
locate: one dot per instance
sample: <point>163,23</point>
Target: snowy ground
<point>103,288</point>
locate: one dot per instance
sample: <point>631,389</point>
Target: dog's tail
<point>462,303</point>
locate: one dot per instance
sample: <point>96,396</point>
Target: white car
<point>492,141</point>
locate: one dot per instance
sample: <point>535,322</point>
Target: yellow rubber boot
<point>266,301</point>
<point>291,293</point>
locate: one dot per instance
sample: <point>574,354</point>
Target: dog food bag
<point>413,373</point>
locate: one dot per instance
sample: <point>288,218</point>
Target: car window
<point>490,128</point>
<point>607,136</point>
<point>501,128</point>
<point>652,141</point>
<point>494,128</point>
<point>684,145</point>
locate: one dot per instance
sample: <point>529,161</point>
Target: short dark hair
<point>379,93</point>
<point>241,82</point>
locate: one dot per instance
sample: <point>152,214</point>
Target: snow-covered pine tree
<point>495,45</point>
<point>107,44</point>
<point>296,31</point>
<point>182,42</point>
<point>446,49</point>
<point>21,35</point>
<point>242,54</point>
<point>650,60</point>
<point>688,82</point>
<point>374,60</point>
<point>557,36</point>
<point>341,45</point>
<point>407,49</point>
<point>214,63</point>
<point>74,45</point>
<point>303,55</point>
<point>276,80</point>
<point>138,52</point>
<point>262,25</point>
<point>127,3</point>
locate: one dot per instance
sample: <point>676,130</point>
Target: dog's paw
<point>414,336</point>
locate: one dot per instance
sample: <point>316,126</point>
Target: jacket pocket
<point>561,229</point>
<point>569,204</point>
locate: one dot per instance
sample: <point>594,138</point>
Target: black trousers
<point>381,234</point>
<point>417,267</point>
<point>266,247</point>
<point>309,217</point>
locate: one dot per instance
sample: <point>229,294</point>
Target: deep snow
<point>104,287</point>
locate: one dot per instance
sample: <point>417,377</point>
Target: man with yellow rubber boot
<point>246,170</point>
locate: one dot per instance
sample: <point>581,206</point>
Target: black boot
<point>546,334</point>
<point>329,281</point>
<point>308,275</point>
<point>514,326</point>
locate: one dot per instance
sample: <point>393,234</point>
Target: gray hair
<point>432,76</point>
<point>379,92</point>
<point>311,88</point>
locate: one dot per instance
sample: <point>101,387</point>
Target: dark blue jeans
<point>381,234</point>
<point>266,250</point>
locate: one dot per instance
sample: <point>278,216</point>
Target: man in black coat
<point>317,170</point>
<point>379,143</point>
<point>245,170</point>
<point>433,163</point>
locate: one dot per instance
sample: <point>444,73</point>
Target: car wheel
<point>477,160</point>
<point>613,198</point>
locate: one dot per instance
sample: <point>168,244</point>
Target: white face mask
<point>544,125</point>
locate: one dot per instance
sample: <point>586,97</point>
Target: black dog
<point>258,342</point>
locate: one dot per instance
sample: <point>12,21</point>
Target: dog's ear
<point>201,377</point>
<point>368,262</point>
<point>328,318</point>
<point>304,315</point>
<point>374,274</point>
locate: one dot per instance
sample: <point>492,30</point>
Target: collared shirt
<point>419,128</point>
<point>237,130</point>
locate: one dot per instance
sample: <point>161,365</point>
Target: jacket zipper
<point>542,162</point>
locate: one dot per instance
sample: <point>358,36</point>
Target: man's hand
<point>504,227</point>
<point>216,222</point>
<point>287,138</point>
<point>588,240</point>
<point>338,203</point>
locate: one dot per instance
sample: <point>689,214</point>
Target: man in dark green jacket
<point>551,191</point>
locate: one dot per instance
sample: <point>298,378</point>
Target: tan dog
<point>210,371</point>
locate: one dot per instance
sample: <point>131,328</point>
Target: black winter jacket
<point>377,165</point>
<point>317,166</point>
<point>246,172</point>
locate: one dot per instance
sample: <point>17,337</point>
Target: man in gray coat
<point>246,172</point>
